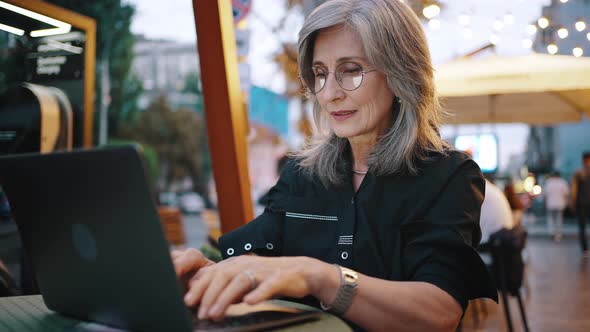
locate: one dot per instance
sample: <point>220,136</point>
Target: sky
<point>173,19</point>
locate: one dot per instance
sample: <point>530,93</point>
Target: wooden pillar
<point>224,111</point>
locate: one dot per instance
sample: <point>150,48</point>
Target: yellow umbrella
<point>536,89</point>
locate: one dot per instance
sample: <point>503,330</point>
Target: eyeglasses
<point>349,76</point>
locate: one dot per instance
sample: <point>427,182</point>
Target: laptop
<point>88,220</point>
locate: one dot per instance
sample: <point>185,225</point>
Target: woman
<point>377,219</point>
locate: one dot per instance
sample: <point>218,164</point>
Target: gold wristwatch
<point>346,292</point>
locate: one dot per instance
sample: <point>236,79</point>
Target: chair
<point>507,267</point>
<point>171,219</point>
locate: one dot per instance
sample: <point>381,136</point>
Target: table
<point>29,313</point>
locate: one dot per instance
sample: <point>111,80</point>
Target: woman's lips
<point>342,115</point>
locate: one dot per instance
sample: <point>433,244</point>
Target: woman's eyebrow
<point>342,59</point>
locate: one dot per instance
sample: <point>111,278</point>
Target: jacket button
<point>248,246</point>
<point>344,255</point>
<point>230,251</point>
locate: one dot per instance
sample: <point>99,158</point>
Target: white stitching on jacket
<point>311,216</point>
<point>345,239</point>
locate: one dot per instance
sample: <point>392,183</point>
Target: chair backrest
<point>171,219</point>
<point>506,247</point>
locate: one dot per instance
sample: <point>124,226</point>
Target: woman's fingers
<point>213,288</point>
<point>176,253</point>
<point>234,291</point>
<point>285,283</point>
<point>197,287</point>
<point>189,260</point>
<point>268,288</point>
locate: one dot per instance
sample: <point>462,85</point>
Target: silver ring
<point>252,278</point>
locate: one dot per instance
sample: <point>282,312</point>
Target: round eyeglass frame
<point>327,72</point>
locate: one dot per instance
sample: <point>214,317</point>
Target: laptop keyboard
<point>29,313</point>
<point>255,321</point>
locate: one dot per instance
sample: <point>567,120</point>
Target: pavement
<point>195,231</point>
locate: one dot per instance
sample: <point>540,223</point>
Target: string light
<point>578,51</point>
<point>434,24</point>
<point>563,1</point>
<point>531,29</point>
<point>562,33</point>
<point>580,25</point>
<point>527,43</point>
<point>588,36</point>
<point>543,22</point>
<point>552,48</point>
<point>431,11</point>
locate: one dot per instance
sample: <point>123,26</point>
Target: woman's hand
<point>252,279</point>
<point>188,262</point>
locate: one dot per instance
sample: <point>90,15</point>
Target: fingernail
<point>202,312</point>
<point>214,310</point>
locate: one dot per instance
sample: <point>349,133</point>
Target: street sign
<point>240,9</point>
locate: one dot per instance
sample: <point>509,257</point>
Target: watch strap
<point>345,293</point>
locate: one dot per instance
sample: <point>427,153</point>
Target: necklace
<point>359,172</point>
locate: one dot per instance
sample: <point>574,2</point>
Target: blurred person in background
<point>377,219</point>
<point>495,212</point>
<point>556,192</point>
<point>515,202</point>
<point>581,199</point>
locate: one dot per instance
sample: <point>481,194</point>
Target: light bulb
<point>531,29</point>
<point>543,22</point>
<point>431,11</point>
<point>578,51</point>
<point>527,43</point>
<point>562,33</point>
<point>580,25</point>
<point>552,49</point>
<point>563,1</point>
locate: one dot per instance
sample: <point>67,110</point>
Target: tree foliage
<point>192,84</point>
<point>178,136</point>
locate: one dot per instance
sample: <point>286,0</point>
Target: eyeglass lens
<point>349,76</point>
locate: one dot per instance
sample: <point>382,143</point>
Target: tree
<point>192,84</point>
<point>179,138</point>
<point>114,50</point>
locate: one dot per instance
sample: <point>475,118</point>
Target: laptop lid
<point>89,223</point>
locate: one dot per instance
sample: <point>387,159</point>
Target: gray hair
<point>395,44</point>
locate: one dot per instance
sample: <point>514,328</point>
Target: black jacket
<point>396,227</point>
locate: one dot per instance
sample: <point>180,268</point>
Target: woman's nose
<point>332,90</point>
